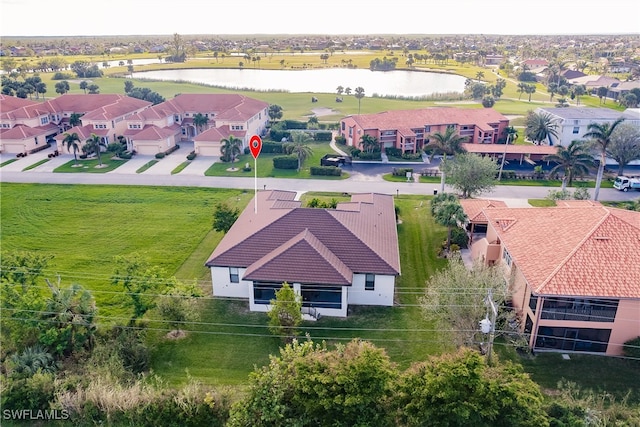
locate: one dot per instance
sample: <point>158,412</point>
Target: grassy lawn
<point>90,166</point>
<point>265,167</point>
<point>146,166</point>
<point>180,167</point>
<point>7,162</point>
<point>395,178</point>
<point>35,165</point>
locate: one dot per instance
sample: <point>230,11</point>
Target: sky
<point>164,17</point>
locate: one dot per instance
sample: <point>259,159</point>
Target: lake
<point>389,83</point>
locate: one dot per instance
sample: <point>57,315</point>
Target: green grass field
<point>90,165</point>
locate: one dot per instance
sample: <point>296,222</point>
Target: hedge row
<point>326,170</point>
<point>285,162</point>
<point>401,171</point>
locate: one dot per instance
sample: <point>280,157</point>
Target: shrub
<point>116,148</point>
<point>271,147</point>
<point>82,156</point>
<point>42,147</point>
<point>126,155</point>
<point>62,76</point>
<point>323,136</point>
<point>488,101</point>
<point>401,171</point>
<point>172,149</point>
<point>33,393</point>
<point>278,135</point>
<point>191,155</point>
<point>285,162</point>
<point>326,170</point>
<point>392,151</point>
<point>631,348</point>
<point>376,155</point>
<point>340,140</point>
<point>294,124</point>
<point>160,155</point>
<point>459,237</point>
<point>411,156</point>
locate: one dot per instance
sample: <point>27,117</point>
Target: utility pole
<point>489,326</point>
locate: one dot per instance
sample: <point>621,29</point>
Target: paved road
<point>364,178</point>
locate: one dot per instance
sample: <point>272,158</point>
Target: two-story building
<point>333,258</point>
<point>409,130</point>
<point>573,271</point>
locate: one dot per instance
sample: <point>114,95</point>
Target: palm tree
<point>368,143</point>
<point>530,89</point>
<point>601,134</point>
<point>574,160</point>
<point>200,121</point>
<point>230,148</point>
<point>522,88</point>
<point>339,90</point>
<point>359,94</point>
<point>445,143</point>
<point>71,142</point>
<point>511,134</point>
<point>540,127</point>
<point>94,143</point>
<point>448,213</point>
<point>74,119</point>
<point>480,75</point>
<point>300,148</point>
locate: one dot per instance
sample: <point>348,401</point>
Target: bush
<point>401,171</point>
<point>323,136</point>
<point>272,147</point>
<point>376,155</point>
<point>392,151</point>
<point>326,170</point>
<point>116,148</point>
<point>631,348</point>
<point>172,149</point>
<point>126,155</point>
<point>412,156</point>
<point>42,147</point>
<point>459,237</point>
<point>285,162</point>
<point>160,155</point>
<point>488,101</point>
<point>33,393</point>
<point>278,135</point>
<point>82,156</point>
<point>340,140</point>
<point>191,155</point>
<point>294,124</point>
<point>62,76</point>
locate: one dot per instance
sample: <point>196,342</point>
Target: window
<point>533,302</point>
<point>234,277</point>
<point>576,130</point>
<point>506,256</point>
<point>264,292</point>
<point>369,282</point>
<point>343,125</point>
<point>44,120</point>
<point>580,309</point>
<point>427,129</point>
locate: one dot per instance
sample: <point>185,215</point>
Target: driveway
<point>170,162</point>
<point>199,165</point>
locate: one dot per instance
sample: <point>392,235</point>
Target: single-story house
<point>333,258</point>
<point>573,272</point>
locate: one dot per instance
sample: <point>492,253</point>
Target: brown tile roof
<point>22,132</point>
<point>155,133</point>
<point>10,103</point>
<point>361,234</point>
<point>474,208</point>
<point>411,119</point>
<point>590,251</point>
<point>303,259</point>
<point>218,134</point>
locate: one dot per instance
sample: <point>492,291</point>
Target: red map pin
<point>255,145</point>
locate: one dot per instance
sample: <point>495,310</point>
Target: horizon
<point>331,18</point>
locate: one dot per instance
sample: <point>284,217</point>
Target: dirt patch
<point>176,334</point>
<point>324,111</point>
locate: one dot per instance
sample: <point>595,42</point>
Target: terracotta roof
<point>218,134</point>
<point>22,132</point>
<point>361,235</point>
<point>10,103</point>
<point>84,133</point>
<point>225,106</point>
<point>474,208</point>
<point>155,133</point>
<point>511,149</point>
<point>411,119</point>
<point>590,251</point>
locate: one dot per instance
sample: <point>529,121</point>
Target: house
<point>573,122</point>
<point>145,128</point>
<point>573,271</point>
<point>409,130</point>
<point>333,258</point>
<point>476,219</point>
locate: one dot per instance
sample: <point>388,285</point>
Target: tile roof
<point>22,132</point>
<point>155,133</point>
<point>408,119</point>
<point>219,133</point>
<point>225,106</point>
<point>360,234</point>
<point>474,208</point>
<point>590,251</point>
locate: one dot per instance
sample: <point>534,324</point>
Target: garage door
<point>10,148</point>
<point>207,150</point>
<point>146,150</point>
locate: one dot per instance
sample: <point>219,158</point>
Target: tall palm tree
<point>300,148</point>
<point>95,143</point>
<point>601,134</point>
<point>74,119</point>
<point>540,127</point>
<point>200,121</point>
<point>447,143</point>
<point>574,160</point>
<point>71,141</point>
<point>480,75</point>
<point>359,94</point>
<point>511,134</point>
<point>522,88</point>
<point>230,148</point>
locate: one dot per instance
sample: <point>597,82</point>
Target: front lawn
<point>90,165</point>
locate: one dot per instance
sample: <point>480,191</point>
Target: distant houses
<point>26,126</point>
